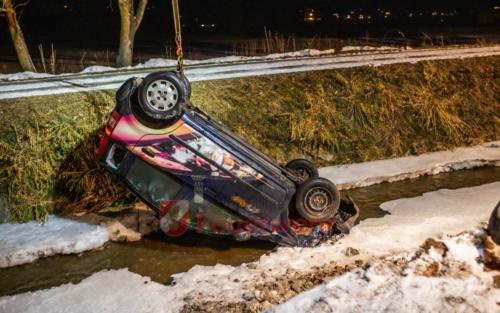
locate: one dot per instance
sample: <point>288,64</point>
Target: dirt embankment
<point>47,144</point>
<point>432,259</point>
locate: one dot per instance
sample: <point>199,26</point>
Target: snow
<point>370,48</point>
<point>375,172</point>
<point>24,243</point>
<point>23,75</point>
<point>412,220</point>
<point>107,291</point>
<point>236,67</point>
<point>460,285</point>
<point>97,69</point>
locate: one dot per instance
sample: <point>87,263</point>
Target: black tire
<point>317,200</point>
<point>162,96</point>
<point>494,224</point>
<point>187,86</point>
<point>303,169</point>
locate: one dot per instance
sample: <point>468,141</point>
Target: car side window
<point>153,185</point>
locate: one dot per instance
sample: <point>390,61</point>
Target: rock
<point>252,266</point>
<point>496,281</point>
<point>431,270</point>
<point>120,233</point>
<point>128,226</point>
<point>351,252</point>
<point>248,297</point>
<point>439,246</point>
<point>266,305</point>
<point>491,253</point>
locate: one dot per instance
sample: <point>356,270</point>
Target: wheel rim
<point>162,95</point>
<point>317,200</point>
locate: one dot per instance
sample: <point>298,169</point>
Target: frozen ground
<point>24,243</point>
<point>104,78</point>
<point>375,172</point>
<point>158,62</point>
<point>410,223</point>
<point>445,277</point>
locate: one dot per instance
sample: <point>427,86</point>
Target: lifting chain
<point>178,37</point>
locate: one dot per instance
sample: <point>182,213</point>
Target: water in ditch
<point>159,257</point>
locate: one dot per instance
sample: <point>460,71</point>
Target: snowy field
<point>442,213</point>
<point>105,78</point>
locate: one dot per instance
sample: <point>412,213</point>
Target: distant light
<point>361,17</point>
<point>434,13</point>
<point>65,6</point>
<point>496,7</point>
<point>387,13</point>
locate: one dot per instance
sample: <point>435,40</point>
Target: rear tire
<point>162,96</point>
<point>303,169</point>
<point>317,200</point>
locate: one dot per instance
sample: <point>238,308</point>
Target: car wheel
<point>317,200</point>
<point>303,169</point>
<point>162,96</point>
<point>187,86</point>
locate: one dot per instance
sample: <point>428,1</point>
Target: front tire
<point>162,96</point>
<point>317,200</point>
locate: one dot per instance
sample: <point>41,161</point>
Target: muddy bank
<point>268,295</point>
<point>458,270</point>
<point>447,274</point>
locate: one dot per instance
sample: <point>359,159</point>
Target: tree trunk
<point>131,19</point>
<point>22,51</point>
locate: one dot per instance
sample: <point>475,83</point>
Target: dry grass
<point>47,144</point>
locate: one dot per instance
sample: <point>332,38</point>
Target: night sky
<point>96,22</point>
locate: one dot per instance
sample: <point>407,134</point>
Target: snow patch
<point>390,170</point>
<point>107,291</point>
<point>371,48</point>
<point>97,69</point>
<point>23,75</point>
<point>453,282</point>
<point>25,243</point>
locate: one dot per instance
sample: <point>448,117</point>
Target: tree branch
<point>139,14</point>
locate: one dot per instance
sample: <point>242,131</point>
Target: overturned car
<point>200,176</point>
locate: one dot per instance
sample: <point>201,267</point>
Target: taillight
<point>110,126</point>
<point>112,122</point>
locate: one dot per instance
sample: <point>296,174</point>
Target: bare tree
<point>8,8</point>
<point>131,17</point>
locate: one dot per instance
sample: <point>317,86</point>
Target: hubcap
<point>317,199</point>
<point>162,95</point>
